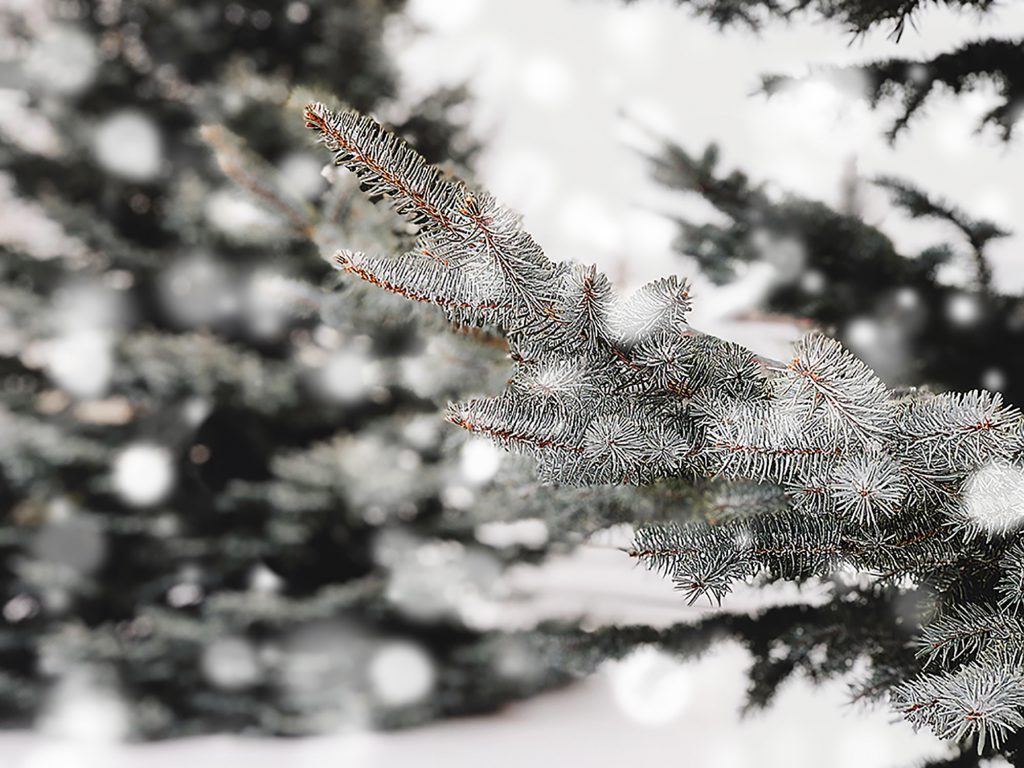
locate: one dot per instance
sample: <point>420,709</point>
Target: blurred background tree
<point>931,318</point>
<point>224,482</point>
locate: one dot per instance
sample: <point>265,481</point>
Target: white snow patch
<point>963,310</point>
<point>197,291</point>
<point>651,687</point>
<point>231,663</point>
<point>63,60</point>
<point>85,710</point>
<point>530,532</point>
<point>994,380</point>
<point>480,460</point>
<point>81,362</point>
<point>239,218</point>
<point>301,173</point>
<point>349,375</point>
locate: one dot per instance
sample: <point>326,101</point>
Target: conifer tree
<point>850,280</point>
<point>225,525</point>
<point>858,16</point>
<point>225,487</point>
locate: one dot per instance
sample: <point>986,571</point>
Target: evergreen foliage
<point>995,62</point>
<point>904,487</point>
<point>225,488</point>
<point>836,269</point>
<point>858,16</point>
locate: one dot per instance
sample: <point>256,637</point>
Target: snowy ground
<point>583,726</point>
<point>551,80</point>
<point>646,709</point>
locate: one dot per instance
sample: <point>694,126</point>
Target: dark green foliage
<point>846,269</point>
<point>912,82</point>
<point>977,232</point>
<point>820,641</point>
<point>858,16</point>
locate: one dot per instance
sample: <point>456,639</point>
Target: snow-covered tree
<point>231,503</point>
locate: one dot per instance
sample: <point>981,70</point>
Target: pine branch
<point>470,241</point>
<point>705,560</point>
<point>995,61</point>
<point>823,380</point>
<point>30,448</point>
<point>200,365</point>
<point>1011,581</point>
<point>979,701</point>
<point>947,435</point>
<point>388,166</point>
<point>252,173</point>
<point>612,391</point>
<point>843,248</point>
<point>422,277</point>
<point>978,232</point>
<point>858,16</point>
<point>965,632</point>
<point>821,641</point>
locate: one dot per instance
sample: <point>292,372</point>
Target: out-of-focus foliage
<point>229,503</point>
<point>911,83</point>
<point>858,16</point>
<point>846,275</point>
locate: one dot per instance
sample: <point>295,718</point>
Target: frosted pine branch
<point>979,701</point>
<point>832,469</point>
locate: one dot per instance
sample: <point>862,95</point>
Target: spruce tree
<point>845,275</point>
<point>851,281</point>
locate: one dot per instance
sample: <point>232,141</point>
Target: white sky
<point>551,79</point>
